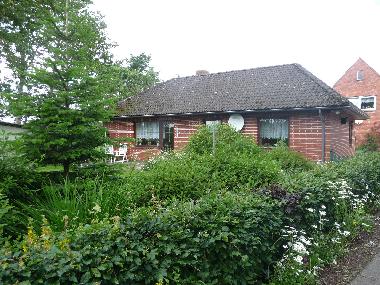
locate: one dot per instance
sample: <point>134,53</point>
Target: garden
<point>237,214</point>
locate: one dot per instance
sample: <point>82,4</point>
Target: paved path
<point>370,275</point>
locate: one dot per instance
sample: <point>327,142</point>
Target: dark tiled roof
<point>276,87</point>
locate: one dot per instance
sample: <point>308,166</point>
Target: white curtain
<point>274,128</point>
<point>147,130</point>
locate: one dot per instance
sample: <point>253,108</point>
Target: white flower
<point>322,213</point>
<point>299,259</point>
<point>346,233</point>
<point>311,210</point>
<point>323,207</point>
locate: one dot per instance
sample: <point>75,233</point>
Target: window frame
<point>360,98</point>
<point>287,141</point>
<point>158,144</point>
<point>359,75</point>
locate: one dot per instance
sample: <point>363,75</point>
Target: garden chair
<point>121,154</point>
<point>110,151</point>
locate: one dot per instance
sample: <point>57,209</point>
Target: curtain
<point>147,130</point>
<point>274,128</point>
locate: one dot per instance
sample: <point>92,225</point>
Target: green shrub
<point>223,238</point>
<point>289,160</point>
<point>227,140</point>
<point>371,143</point>
<point>17,174</point>
<point>75,199</point>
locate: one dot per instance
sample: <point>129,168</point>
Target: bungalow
<point>284,102</point>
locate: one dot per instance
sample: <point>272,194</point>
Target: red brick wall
<point>305,133</point>
<point>370,86</point>
<point>183,129</point>
<point>125,129</point>
<point>337,136</point>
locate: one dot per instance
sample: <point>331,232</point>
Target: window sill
<point>147,146</point>
<point>368,110</point>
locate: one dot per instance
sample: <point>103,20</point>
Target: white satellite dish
<point>236,121</point>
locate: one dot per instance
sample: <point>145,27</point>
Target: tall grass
<point>74,202</point>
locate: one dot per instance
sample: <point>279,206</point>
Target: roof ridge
<point>229,71</point>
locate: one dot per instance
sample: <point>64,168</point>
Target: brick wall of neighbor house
<point>349,86</point>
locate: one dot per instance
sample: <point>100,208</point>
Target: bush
<point>371,143</point>
<point>17,174</point>
<point>223,238</point>
<point>236,164</point>
<point>289,160</point>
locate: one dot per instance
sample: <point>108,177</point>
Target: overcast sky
<point>182,36</point>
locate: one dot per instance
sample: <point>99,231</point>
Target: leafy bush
<point>227,140</point>
<point>371,143</point>
<point>17,174</point>
<point>289,160</point>
<point>75,199</point>
<point>221,239</point>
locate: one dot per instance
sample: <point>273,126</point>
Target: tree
<point>136,75</point>
<point>74,83</point>
<point>19,40</point>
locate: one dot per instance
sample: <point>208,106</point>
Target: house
<point>10,130</point>
<point>361,85</point>
<point>284,102</point>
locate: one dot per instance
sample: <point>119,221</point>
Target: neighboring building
<point>274,103</point>
<point>10,130</point>
<point>361,85</point>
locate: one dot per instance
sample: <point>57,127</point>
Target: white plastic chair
<point>121,154</point>
<point>110,151</point>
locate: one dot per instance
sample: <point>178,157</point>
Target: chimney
<point>201,72</point>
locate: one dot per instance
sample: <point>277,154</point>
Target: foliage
<point>333,206</point>
<point>136,75</point>
<point>218,240</point>
<point>20,24</point>
<point>17,173</point>
<point>289,159</point>
<point>6,217</point>
<point>227,140</point>
<point>371,143</point>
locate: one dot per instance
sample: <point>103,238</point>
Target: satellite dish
<point>236,121</point>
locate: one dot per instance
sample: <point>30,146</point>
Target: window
<point>148,133</point>
<point>273,130</point>
<point>212,124</point>
<point>359,75</point>
<point>366,103</point>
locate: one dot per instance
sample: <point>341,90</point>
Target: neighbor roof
<point>283,87</point>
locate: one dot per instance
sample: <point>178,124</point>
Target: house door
<point>168,136</point>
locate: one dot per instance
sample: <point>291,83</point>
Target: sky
<point>182,36</point>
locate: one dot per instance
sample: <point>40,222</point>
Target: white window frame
<point>359,75</point>
<point>143,134</point>
<point>357,101</point>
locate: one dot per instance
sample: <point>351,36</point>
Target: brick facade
<point>305,133</point>
<point>349,86</point>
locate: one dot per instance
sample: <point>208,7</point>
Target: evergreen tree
<point>74,86</point>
